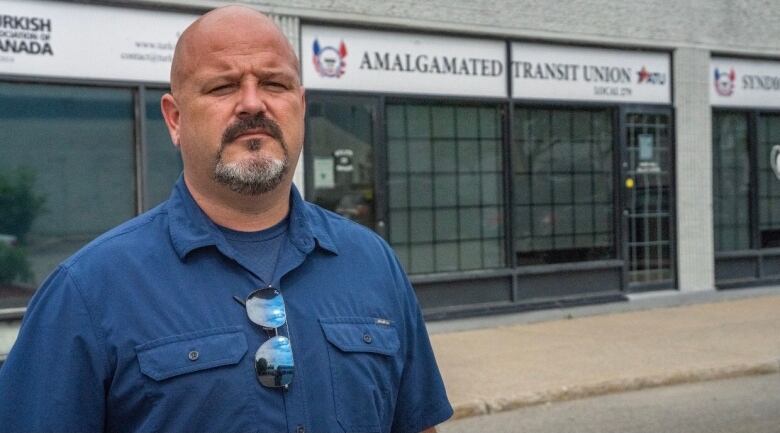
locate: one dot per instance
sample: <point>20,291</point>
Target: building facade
<point>514,154</point>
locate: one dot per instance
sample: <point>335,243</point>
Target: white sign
<point>363,60</point>
<point>323,173</point>
<point>541,71</point>
<point>343,160</point>
<point>744,83</point>
<point>58,39</point>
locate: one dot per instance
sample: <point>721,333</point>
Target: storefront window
<point>163,161</point>
<point>769,179</point>
<point>66,175</point>
<point>563,185</point>
<point>445,193</point>
<point>731,181</point>
<point>340,141</point>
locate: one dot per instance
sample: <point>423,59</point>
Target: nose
<point>251,100</point>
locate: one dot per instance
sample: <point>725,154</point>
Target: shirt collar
<point>190,228</point>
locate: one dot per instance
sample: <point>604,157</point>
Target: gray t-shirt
<point>260,250</point>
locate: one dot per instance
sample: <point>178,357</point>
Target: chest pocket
<point>365,367</point>
<point>186,353</point>
<point>183,374</point>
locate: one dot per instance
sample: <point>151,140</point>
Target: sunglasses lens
<point>274,362</point>
<point>266,308</point>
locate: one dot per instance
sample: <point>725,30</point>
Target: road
<point>742,405</point>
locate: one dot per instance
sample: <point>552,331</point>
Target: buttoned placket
<point>295,395</point>
<point>292,255</point>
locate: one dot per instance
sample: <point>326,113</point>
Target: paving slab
<point>510,366</point>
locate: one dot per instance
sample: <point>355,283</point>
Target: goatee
<point>258,174</point>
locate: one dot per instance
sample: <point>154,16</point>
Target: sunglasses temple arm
<point>239,300</point>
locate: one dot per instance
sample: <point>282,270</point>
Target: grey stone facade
<point>725,26</point>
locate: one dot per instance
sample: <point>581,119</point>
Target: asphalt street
<point>742,405</point>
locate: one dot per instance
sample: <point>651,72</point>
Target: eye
<point>222,89</point>
<point>277,86</point>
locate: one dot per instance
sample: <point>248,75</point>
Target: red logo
<point>648,77</point>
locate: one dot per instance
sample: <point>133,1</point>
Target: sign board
<point>343,160</point>
<point>377,61</point>
<point>542,71</point>
<point>57,39</point>
<point>323,173</point>
<point>744,83</point>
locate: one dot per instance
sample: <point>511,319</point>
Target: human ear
<point>171,114</point>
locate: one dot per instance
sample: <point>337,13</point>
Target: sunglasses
<point>274,366</point>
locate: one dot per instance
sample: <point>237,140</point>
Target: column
<point>693,125</point>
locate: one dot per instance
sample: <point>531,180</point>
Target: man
<point>141,330</point>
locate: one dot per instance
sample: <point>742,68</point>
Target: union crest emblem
<point>724,83</point>
<point>329,61</point>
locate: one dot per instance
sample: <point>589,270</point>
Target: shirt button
<point>367,338</point>
<point>194,355</point>
<point>300,429</point>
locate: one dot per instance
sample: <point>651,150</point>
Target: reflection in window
<point>768,182</point>
<point>445,190</point>
<point>340,142</point>
<point>731,181</point>
<point>163,161</point>
<point>73,146</point>
<point>563,185</point>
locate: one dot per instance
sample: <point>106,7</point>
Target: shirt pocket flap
<point>361,334</point>
<point>179,354</point>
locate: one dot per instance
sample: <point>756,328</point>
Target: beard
<point>257,174</point>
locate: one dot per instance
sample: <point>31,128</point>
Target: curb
<point>501,404</point>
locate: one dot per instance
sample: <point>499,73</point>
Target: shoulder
<point>133,237</point>
<point>343,232</point>
<point>357,246</point>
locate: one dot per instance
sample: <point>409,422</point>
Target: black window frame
<point>752,119</point>
<point>139,139</point>
<point>615,144</point>
<point>754,265</point>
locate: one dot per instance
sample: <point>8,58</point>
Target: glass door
<point>647,199</point>
<point>340,152</point>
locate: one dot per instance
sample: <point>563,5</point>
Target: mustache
<point>246,124</point>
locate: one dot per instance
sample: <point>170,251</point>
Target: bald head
<point>223,28</point>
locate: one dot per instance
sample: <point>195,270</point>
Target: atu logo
<point>648,77</point>
<point>724,83</point>
<point>329,61</point>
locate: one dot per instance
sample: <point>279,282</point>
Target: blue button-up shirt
<point>139,332</point>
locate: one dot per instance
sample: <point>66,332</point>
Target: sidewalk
<point>598,351</point>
